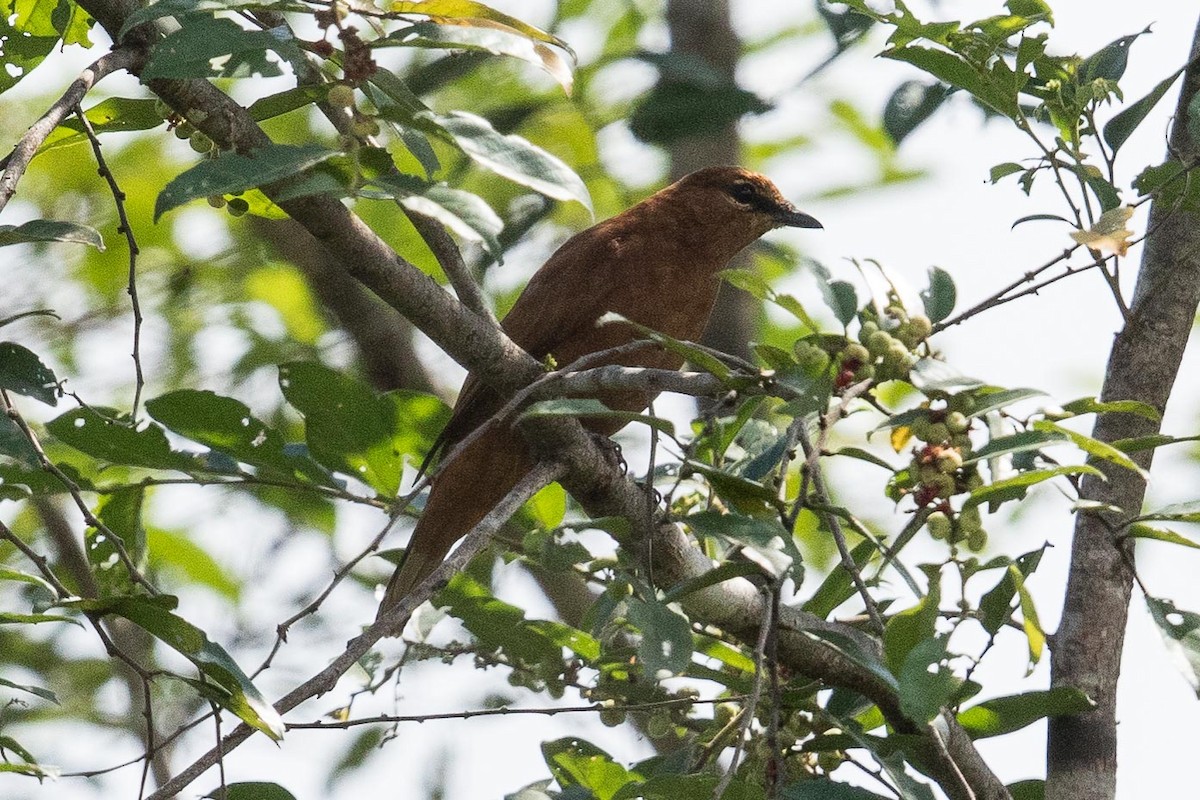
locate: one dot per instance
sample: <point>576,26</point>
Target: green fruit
<point>879,343</point>
<point>856,352</point>
<point>340,95</point>
<point>957,422</point>
<point>184,130</point>
<point>969,520</point>
<point>237,207</point>
<point>944,485</point>
<point>867,330</point>
<point>949,460</point>
<point>864,373</point>
<point>612,717</point>
<point>216,201</point>
<point>365,127</point>
<point>659,725</point>
<point>920,428</point>
<point>940,526</point>
<point>938,433</point>
<point>200,143</point>
<point>920,327</point>
<point>977,540</point>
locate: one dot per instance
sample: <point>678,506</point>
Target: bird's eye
<point>743,193</point>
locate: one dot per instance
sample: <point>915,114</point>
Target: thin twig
<point>388,624</point>
<point>126,229</point>
<point>451,261</point>
<point>505,711</point>
<point>764,631</point>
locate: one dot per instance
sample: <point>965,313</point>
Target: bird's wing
<point>563,298</point>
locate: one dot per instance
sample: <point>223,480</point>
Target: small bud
<point>340,95</point>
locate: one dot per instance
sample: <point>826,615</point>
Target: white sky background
<point>1057,341</point>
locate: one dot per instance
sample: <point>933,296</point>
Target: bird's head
<point>735,204</point>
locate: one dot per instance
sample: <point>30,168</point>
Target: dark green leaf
<point>232,172</point>
<point>677,108</point>
<point>1090,405</point>
<point>927,683</point>
<point>575,762</point>
<point>764,540</point>
<point>909,628</point>
<point>1176,512</point>
<point>666,642</point>
<point>825,789</point>
<point>45,694</point>
<point>21,371</point>
<point>1093,447</point>
<point>189,51</point>
<point>227,425</point>
<point>237,691</point>
<point>1015,443</point>
<point>1004,170</point>
<point>121,515</point>
<point>1181,633</point>
<point>953,69</point>
<point>1018,485</point>
<point>1003,715</point>
<point>911,103</point>
<point>101,434</point>
<point>991,399</point>
<point>354,431</point>
<point>940,297</point>
<point>996,607</point>
<point>111,115</point>
<point>251,790</point>
<point>837,587</point>
<point>510,156</point>
<point>842,299</point>
<point>1121,127</point>
<point>593,409</point>
<point>1032,789</point>
<point>49,230</point>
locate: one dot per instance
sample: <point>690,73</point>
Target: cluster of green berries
<point>797,728</point>
<point>198,141</point>
<point>937,472</point>
<point>884,351</point>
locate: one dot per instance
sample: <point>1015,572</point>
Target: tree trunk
<point>1143,364</point>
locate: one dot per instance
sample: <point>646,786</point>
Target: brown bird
<point>656,264</point>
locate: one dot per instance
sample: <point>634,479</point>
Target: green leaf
<point>697,357</point>
<point>1031,789</point>
<point>502,626</point>
<point>825,789</point>
<point>251,790</point>
<point>842,299</point>
<point>173,551</point>
<point>21,371</point>
<point>1002,715</point>
<point>103,435</point>
<point>726,572</point>
<point>666,642</point>
<point>575,762</point>
<point>7,618</point>
<point>592,409</point>
<point>111,115</point>
<point>28,35</point>
<point>1004,170</point>
<point>1138,531</point>
<point>1015,443</point>
<point>764,541</point>
<point>838,587</point>
<point>468,12</point>
<point>121,515</point>
<point>1118,129</point>
<point>38,691</point>
<point>995,608</point>
<point>911,103</point>
<point>927,683</point>
<point>931,375</point>
<point>190,51</point>
<point>226,425</point>
<point>49,230</point>
<point>1016,486</point>
<point>1176,512</point>
<point>1093,447</point>
<point>990,398</point>
<point>509,156</point>
<point>953,69</point>
<point>1090,405</point>
<point>237,692</point>
<point>1180,631</point>
<point>488,38</point>
<point>909,628</point>
<point>941,295</point>
<point>679,107</point>
<point>232,172</point>
<point>352,430</point>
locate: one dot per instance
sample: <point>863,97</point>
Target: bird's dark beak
<point>792,218</point>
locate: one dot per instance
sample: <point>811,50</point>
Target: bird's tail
<point>462,495</point>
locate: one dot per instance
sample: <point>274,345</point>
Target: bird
<point>656,264</point>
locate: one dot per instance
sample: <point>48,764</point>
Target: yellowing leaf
<point>900,436</point>
<point>1108,236</point>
